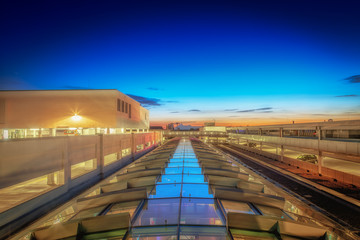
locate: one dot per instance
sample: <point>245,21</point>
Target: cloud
<point>194,110</point>
<point>266,109</point>
<point>153,89</point>
<point>353,79</point>
<point>319,114</point>
<point>174,112</point>
<point>233,116</point>
<point>146,102</point>
<point>230,110</point>
<point>11,83</point>
<point>350,95</point>
<point>149,102</point>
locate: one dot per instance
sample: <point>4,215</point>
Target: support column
<point>281,132</point>
<point>320,162</point>
<point>319,133</point>
<point>133,146</point>
<point>66,164</point>
<point>261,144</point>
<point>282,153</point>
<point>101,155</point>
<point>51,179</point>
<point>320,155</point>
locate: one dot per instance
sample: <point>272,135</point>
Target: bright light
<point>76,118</point>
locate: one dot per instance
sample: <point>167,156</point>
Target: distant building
<point>209,124</point>
<point>69,112</point>
<point>156,128</point>
<point>182,127</point>
<point>213,129</point>
<point>170,126</point>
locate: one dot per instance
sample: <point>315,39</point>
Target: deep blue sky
<point>239,62</point>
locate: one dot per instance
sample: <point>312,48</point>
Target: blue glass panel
<point>190,160</point>
<point>193,178</point>
<point>173,170</point>
<point>159,212</point>
<point>166,191</point>
<point>196,190</point>
<point>170,179</point>
<point>180,164</point>
<point>190,164</point>
<point>192,170</point>
<point>176,160</point>
<point>200,212</point>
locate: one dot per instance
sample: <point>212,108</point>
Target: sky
<point>237,63</point>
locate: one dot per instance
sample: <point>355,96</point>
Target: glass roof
<point>195,193</point>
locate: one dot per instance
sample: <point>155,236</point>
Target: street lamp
<point>76,118</point>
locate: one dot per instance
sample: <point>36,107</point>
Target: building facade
<point>69,112</point>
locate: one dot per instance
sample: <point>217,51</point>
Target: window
<point>122,106</point>
<point>129,110</point>
<point>159,212</point>
<point>118,105</point>
<point>126,107</point>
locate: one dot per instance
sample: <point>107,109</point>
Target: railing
<point>59,167</point>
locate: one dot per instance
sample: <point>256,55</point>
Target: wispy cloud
<point>350,95</point>
<point>233,116</point>
<point>231,110</point>
<point>353,79</point>
<point>146,102</point>
<point>266,109</point>
<point>194,110</point>
<point>171,101</point>
<point>10,83</point>
<point>174,112</point>
<point>153,89</point>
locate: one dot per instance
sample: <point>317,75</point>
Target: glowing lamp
<point>76,118</point>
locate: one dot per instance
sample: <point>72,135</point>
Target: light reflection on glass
<point>159,212</point>
<point>165,179</point>
<point>200,212</point>
<point>240,207</point>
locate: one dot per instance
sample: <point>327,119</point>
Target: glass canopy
<point>182,190</point>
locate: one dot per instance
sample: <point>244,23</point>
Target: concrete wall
<point>55,109</point>
<point>24,159</point>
